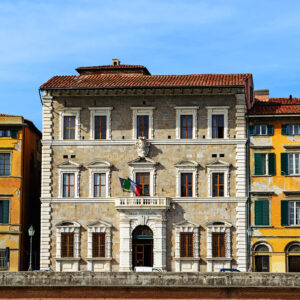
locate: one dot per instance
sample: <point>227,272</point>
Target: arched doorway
<point>293,257</point>
<point>142,247</point>
<point>261,258</point>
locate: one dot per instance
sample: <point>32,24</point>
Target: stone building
<point>182,138</point>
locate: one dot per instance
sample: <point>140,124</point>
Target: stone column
<point>125,245</point>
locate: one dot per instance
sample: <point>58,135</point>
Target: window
<point>99,185</point>
<point>100,127</point>
<point>67,244</point>
<point>290,129</point>
<point>143,179</point>
<point>218,126</point>
<point>98,244</point>
<point>186,126</point>
<point>261,129</point>
<point>186,184</point>
<point>4,133</point>
<point>69,127</point>
<point>264,164</point>
<point>143,126</point>
<point>68,184</point>
<point>294,212</point>
<point>4,259</point>
<point>5,164</point>
<point>261,208</point>
<point>293,164</point>
<point>218,244</point>
<point>218,184</point>
<point>261,262</point>
<point>4,211</point>
<point>186,244</point>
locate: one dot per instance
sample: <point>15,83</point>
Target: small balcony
<point>147,203</point>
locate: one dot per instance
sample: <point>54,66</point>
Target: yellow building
<point>274,130</point>
<point>19,191</point>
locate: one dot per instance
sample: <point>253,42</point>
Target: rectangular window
<point>294,212</point>
<point>4,211</point>
<point>218,244</point>
<point>293,163</point>
<point>143,179</point>
<point>218,184</point>
<point>98,244</point>
<point>186,185</point>
<point>264,164</point>
<point>143,126</point>
<point>100,127</point>
<point>5,133</point>
<point>186,126</point>
<point>69,127</point>
<point>290,129</point>
<point>68,185</point>
<point>4,164</point>
<point>99,185</point>
<point>261,208</point>
<point>4,258</point>
<point>186,244</point>
<point>261,129</point>
<point>67,244</point>
<point>218,126</point>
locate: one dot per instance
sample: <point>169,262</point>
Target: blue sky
<point>40,39</point>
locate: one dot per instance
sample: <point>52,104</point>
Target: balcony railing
<point>143,203</point>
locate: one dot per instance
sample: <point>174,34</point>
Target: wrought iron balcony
<point>143,203</point>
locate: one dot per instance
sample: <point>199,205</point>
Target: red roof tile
<point>276,106</point>
<point>145,81</point>
<point>5,115</point>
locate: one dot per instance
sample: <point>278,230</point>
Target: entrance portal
<point>142,247</point>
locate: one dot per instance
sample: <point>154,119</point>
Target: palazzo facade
<point>182,138</point>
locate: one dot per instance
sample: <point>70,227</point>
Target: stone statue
<point>142,147</point>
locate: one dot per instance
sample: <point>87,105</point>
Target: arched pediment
<point>261,247</point>
<point>67,223</point>
<point>99,164</point>
<point>69,165</point>
<point>186,163</point>
<point>218,223</point>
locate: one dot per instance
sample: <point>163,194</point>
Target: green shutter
<point>261,212</point>
<point>251,129</point>
<point>284,129</point>
<point>284,164</point>
<point>284,212</point>
<point>257,164</point>
<point>14,133</point>
<point>271,159</point>
<point>270,130</point>
<point>5,211</point>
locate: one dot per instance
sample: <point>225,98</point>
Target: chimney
<point>291,97</point>
<point>115,62</point>
<point>262,95</point>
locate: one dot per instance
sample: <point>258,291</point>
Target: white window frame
<point>3,151</point>
<point>293,127</point>
<point>294,204</point>
<point>217,110</point>
<point>187,110</point>
<point>260,127</point>
<point>187,166</point>
<point>69,112</point>
<point>294,164</point>
<point>98,112</point>
<point>142,111</point>
<point>100,166</point>
<point>69,167</point>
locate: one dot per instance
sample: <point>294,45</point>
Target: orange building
<point>20,158</point>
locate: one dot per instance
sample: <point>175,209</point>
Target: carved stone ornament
<point>142,147</point>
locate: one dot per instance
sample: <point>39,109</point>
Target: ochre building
<point>182,138</point>
<point>19,191</point>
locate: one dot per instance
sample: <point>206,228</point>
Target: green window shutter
<point>261,212</point>
<point>14,133</point>
<point>270,130</point>
<point>284,212</point>
<point>257,164</point>
<point>251,129</point>
<point>284,129</point>
<point>271,159</point>
<point>284,164</point>
<point>5,211</point>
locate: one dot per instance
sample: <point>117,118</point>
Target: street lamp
<point>31,232</point>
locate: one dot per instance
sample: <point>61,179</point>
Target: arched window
<point>261,258</point>
<point>293,257</point>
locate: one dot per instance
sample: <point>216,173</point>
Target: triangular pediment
<point>142,162</point>
<point>186,223</point>
<point>99,223</point>
<point>69,164</point>
<point>187,163</point>
<point>99,164</point>
<point>218,163</point>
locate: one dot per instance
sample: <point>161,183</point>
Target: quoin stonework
<point>182,138</point>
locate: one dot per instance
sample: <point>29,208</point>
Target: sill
<point>292,175</point>
<point>262,226</point>
<point>187,258</point>
<point>263,175</point>
<point>67,258</point>
<point>219,258</point>
<point>292,226</point>
<point>99,258</point>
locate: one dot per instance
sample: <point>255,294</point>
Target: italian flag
<point>129,185</point>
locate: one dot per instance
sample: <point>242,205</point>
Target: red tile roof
<point>145,81</point>
<point>276,106</point>
<point>5,115</point>
<point>114,69</point>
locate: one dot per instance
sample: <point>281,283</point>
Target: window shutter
<point>5,211</point>
<point>270,130</point>
<point>272,169</point>
<point>284,164</point>
<point>284,129</point>
<point>258,212</point>
<point>257,164</point>
<point>265,212</point>
<point>284,213</point>
<point>251,129</point>
<point>14,133</point>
